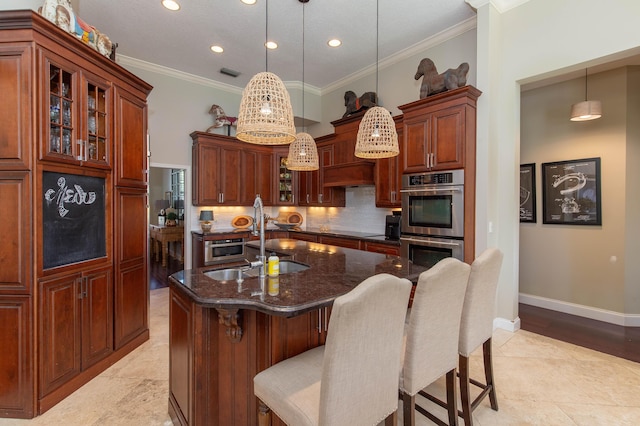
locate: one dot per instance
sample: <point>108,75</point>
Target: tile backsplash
<point>359,214</point>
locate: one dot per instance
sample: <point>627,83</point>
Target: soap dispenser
<point>273,265</point>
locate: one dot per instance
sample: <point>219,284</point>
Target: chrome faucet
<point>262,258</point>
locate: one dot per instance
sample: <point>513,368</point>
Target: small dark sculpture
<point>432,82</point>
<point>355,104</point>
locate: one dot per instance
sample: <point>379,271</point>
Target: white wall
<point>533,40</point>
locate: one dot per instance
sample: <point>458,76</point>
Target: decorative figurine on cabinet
<point>221,119</point>
<point>433,83</point>
<point>355,104</point>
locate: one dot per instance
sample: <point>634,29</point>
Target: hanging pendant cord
<point>585,85</point>
<point>266,35</point>
<point>304,126</point>
<point>377,43</point>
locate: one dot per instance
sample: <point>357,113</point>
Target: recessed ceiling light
<point>171,4</point>
<point>334,42</point>
<point>271,45</point>
<point>249,2</point>
<point>217,49</point>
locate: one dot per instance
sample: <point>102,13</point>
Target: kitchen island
<point>223,332</point>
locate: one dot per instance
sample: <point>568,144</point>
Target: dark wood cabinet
<point>338,241</point>
<point>67,109</point>
<point>388,175</point>
<point>75,325</point>
<point>215,364</point>
<point>259,169</point>
<point>382,248</point>
<point>439,131</point>
<point>285,180</point>
<point>217,166</point>
<point>131,293</point>
<point>312,191</point>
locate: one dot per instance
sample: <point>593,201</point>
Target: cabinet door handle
<point>433,160</point>
<point>319,321</point>
<point>393,196</point>
<point>320,198</point>
<point>307,198</point>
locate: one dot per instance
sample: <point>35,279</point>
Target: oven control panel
<point>453,177</point>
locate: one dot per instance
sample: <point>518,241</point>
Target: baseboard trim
<point>505,324</point>
<point>617,318</point>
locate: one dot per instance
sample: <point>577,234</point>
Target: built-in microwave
<point>433,204</point>
<point>226,250</point>
<point>427,251</point>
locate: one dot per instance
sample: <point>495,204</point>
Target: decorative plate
<point>294,218</point>
<point>242,222</point>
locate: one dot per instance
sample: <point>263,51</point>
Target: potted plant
<point>171,219</point>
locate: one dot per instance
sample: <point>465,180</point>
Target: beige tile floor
<point>540,381</point>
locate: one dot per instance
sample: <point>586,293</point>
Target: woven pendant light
<point>303,152</point>
<point>265,116</point>
<point>377,136</point>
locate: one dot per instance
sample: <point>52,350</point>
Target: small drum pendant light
<point>377,136</point>
<point>586,110</point>
<point>303,153</point>
<point>265,116</point>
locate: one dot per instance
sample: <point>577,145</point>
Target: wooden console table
<point>161,236</point>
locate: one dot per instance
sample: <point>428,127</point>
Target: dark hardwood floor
<point>623,342</point>
<point>159,276</point>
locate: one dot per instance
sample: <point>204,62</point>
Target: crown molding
<point>181,75</point>
<point>406,53</point>
<point>500,5</point>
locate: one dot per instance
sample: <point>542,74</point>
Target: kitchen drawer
<point>382,248</point>
<point>341,242</point>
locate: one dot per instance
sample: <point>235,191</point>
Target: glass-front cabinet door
<point>95,142</point>
<point>62,114</point>
<point>79,116</point>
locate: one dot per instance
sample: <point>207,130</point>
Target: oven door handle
<point>225,244</point>
<point>432,190</point>
<point>434,242</point>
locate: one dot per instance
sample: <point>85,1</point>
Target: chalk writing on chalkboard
<point>73,218</point>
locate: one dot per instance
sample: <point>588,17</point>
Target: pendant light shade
<point>303,153</point>
<point>265,116</point>
<point>586,110</point>
<point>377,136</point>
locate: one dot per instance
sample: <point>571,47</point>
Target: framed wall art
<point>572,192</point>
<point>528,193</point>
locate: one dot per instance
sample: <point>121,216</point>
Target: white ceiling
<point>180,40</point>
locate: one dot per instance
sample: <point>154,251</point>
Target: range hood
<point>349,174</point>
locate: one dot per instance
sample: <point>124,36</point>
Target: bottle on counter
<point>273,265</point>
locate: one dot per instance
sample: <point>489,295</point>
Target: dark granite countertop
<point>333,272</point>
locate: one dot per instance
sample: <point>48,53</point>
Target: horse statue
<point>432,82</point>
<point>355,104</point>
<point>221,119</point>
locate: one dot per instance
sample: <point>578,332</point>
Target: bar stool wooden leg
<point>408,409</point>
<point>264,414</point>
<point>465,396</point>
<point>452,400</point>
<point>488,373</point>
<point>392,419</point>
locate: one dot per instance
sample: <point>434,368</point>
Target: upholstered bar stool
<point>432,333</point>
<point>476,329</point>
<point>353,379</point>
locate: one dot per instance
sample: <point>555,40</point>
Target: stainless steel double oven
<point>432,216</point>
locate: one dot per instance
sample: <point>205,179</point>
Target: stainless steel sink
<point>226,274</point>
<point>290,266</point>
<point>232,274</point>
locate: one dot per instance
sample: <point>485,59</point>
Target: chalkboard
<point>73,218</point>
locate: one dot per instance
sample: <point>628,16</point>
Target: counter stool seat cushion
<point>353,379</point>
